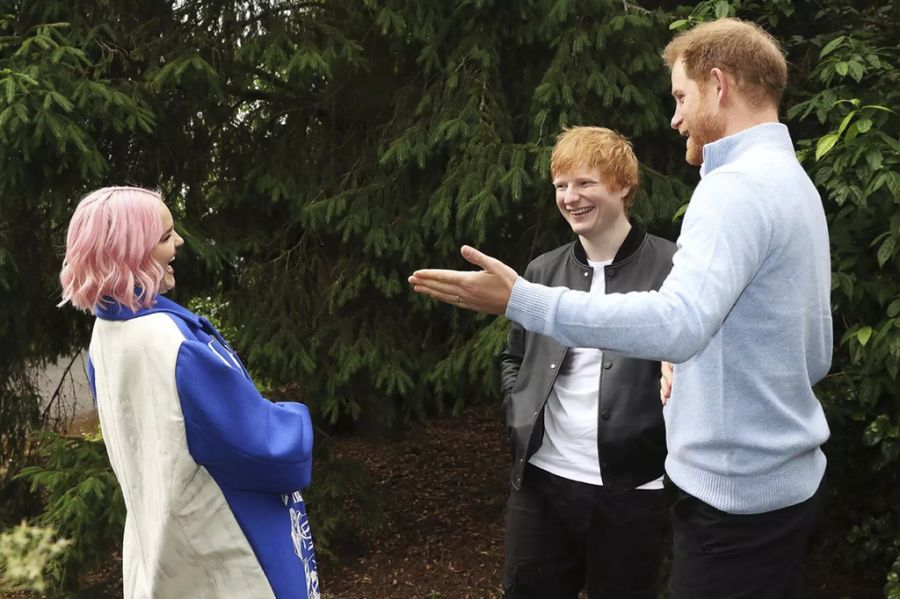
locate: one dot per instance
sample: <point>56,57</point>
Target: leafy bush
<point>855,165</point>
<point>25,552</point>
<point>83,502</point>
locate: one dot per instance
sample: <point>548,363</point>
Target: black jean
<point>718,555</point>
<point>562,535</point>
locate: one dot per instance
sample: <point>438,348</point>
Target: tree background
<point>315,153</point>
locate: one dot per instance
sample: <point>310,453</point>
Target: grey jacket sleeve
<point>511,358</point>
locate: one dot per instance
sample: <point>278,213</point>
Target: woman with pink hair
<point>210,470</point>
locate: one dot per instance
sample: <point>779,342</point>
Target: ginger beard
<point>704,126</point>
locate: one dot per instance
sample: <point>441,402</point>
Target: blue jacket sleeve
<point>243,439</point>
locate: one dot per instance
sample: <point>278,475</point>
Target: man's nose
<point>676,120</point>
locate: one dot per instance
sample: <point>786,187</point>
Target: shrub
<point>83,502</point>
<point>25,552</point>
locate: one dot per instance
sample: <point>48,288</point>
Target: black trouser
<point>563,534</point>
<point>731,556</point>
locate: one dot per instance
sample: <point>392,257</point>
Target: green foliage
<point>83,503</point>
<point>313,162</point>
<point>213,308</point>
<point>19,413</point>
<point>24,554</point>
<point>892,587</point>
<point>855,164</point>
<point>449,144</point>
<point>68,116</point>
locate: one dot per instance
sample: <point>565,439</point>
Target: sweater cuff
<point>534,306</point>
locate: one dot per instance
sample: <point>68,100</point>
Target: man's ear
<point>721,84</point>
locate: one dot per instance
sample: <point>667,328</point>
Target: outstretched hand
<point>487,290</point>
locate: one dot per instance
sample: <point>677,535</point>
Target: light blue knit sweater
<point>745,315</point>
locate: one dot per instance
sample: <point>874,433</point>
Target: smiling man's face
<point>590,207</point>
<point>696,117</point>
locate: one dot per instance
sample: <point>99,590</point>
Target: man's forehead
<point>584,171</point>
<point>680,81</point>
<point>677,73</point>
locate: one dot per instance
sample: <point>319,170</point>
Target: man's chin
<point>693,155</point>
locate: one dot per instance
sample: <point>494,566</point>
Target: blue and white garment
<point>210,470</point>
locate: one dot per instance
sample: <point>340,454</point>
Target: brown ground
<point>444,486</point>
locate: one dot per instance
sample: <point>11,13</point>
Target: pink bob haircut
<point>111,235</point>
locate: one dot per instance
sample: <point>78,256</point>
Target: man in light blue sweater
<point>745,316</point>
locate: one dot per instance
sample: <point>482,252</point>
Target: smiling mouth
<point>581,211</point>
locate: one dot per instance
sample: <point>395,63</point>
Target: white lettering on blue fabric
<point>301,535</point>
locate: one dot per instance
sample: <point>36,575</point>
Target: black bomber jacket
<point>631,435</point>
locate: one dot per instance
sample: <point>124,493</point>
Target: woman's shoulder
<point>154,332</point>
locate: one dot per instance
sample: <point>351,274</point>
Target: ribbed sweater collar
<point>728,149</point>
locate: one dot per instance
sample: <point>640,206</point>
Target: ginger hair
<point>739,48</point>
<point>601,148</point>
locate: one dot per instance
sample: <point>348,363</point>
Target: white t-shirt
<point>569,448</point>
